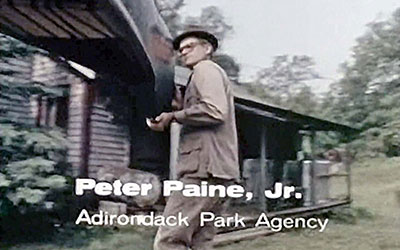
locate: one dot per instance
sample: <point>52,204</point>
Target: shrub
<point>32,176</point>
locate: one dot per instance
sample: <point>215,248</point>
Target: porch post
<point>348,179</point>
<point>174,145</point>
<point>312,170</point>
<point>263,144</point>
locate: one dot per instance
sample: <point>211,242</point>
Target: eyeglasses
<point>189,47</point>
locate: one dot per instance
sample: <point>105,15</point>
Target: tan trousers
<point>192,236</point>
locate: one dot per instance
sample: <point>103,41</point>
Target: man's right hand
<point>161,122</point>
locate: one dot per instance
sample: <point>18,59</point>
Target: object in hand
<point>149,121</point>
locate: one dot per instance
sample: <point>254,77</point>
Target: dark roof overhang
<point>275,114</point>
<point>107,36</point>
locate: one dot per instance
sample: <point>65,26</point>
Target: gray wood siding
<point>109,143</point>
<point>75,120</point>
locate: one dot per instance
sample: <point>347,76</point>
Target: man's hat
<point>198,34</point>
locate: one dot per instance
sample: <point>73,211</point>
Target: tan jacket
<point>208,143</point>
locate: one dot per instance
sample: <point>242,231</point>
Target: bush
<point>32,176</point>
<point>34,188</point>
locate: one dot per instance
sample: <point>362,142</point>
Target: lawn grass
<point>371,223</point>
<point>94,238</point>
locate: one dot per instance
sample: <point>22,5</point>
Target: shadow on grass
<point>35,234</point>
<point>350,215</point>
<point>35,231</point>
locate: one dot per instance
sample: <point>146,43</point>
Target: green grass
<point>95,238</point>
<point>372,222</point>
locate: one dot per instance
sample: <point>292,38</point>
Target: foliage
<point>11,47</point>
<point>32,160</point>
<point>286,77</point>
<point>169,11</point>
<point>229,64</point>
<point>368,95</point>
<point>212,20</point>
<point>32,167</point>
<point>284,83</point>
<point>304,101</point>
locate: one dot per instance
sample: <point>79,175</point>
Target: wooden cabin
<point>127,48</point>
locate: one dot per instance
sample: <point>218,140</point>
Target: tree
<point>212,20</point>
<point>169,11</point>
<point>304,101</point>
<point>368,95</point>
<point>286,78</point>
<point>229,64</point>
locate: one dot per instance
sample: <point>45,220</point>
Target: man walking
<point>208,149</point>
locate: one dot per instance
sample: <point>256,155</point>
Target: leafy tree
<point>229,64</point>
<point>212,20</point>
<point>169,11</point>
<point>368,95</point>
<point>284,82</point>
<point>304,101</point>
